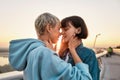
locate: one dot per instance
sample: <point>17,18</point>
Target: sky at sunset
<point>101,16</point>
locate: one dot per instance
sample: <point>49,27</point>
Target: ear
<point>78,30</point>
<point>48,28</point>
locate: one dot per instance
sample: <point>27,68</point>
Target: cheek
<point>70,34</point>
<point>67,37</point>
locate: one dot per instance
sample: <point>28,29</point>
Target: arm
<point>49,44</point>
<point>93,65</point>
<point>73,43</point>
<point>57,69</point>
<point>62,70</point>
<point>63,48</point>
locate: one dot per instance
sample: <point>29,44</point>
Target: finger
<point>62,40</point>
<point>49,40</point>
<point>46,42</point>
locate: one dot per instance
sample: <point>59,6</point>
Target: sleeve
<point>57,69</point>
<point>93,65</point>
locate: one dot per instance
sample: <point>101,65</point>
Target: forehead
<point>68,25</point>
<point>58,25</point>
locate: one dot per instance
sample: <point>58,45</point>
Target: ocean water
<point>4,63</point>
<point>4,58</point>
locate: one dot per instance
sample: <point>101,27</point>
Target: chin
<point>65,40</point>
<point>54,42</point>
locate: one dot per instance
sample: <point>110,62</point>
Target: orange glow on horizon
<point>100,42</point>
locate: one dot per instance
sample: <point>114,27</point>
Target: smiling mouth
<point>63,37</point>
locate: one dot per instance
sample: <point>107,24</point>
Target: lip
<point>58,37</point>
<point>63,36</point>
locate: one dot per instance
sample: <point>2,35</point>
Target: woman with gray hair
<point>37,58</point>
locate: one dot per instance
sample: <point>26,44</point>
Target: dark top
<point>88,56</point>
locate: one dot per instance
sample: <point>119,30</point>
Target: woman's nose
<point>61,33</point>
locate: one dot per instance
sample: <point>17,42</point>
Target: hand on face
<point>63,47</point>
<point>74,42</point>
<point>64,44</point>
<point>49,44</point>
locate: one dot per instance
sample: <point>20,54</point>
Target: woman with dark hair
<point>38,61</point>
<point>75,26</point>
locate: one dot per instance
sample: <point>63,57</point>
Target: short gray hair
<point>43,20</point>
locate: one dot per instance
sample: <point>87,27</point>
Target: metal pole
<point>95,40</point>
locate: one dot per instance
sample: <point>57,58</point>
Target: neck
<point>43,37</point>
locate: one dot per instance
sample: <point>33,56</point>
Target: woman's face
<point>55,33</point>
<point>68,32</point>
